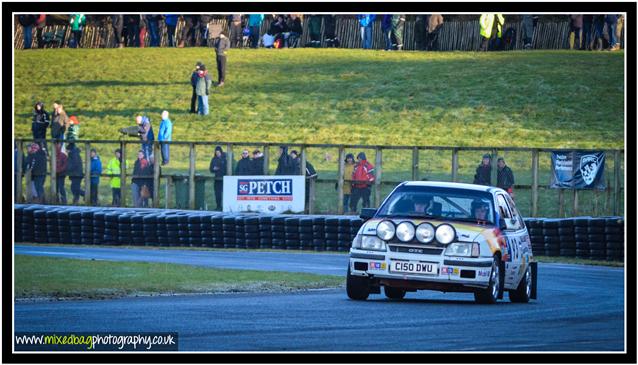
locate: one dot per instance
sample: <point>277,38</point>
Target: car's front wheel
<point>357,287</point>
<point>489,295</point>
<point>523,292</point>
<point>394,293</point>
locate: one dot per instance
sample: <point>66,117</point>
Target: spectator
<point>27,21</point>
<point>254,22</point>
<point>171,24</point>
<point>140,187</point>
<point>117,22</point>
<point>152,23</point>
<point>146,135</point>
<point>619,26</point>
<point>599,25</point>
<point>96,171</point>
<point>528,30</point>
<point>576,28</point>
<point>491,30</point>
<point>73,129</point>
<point>59,121</point>
<point>277,29</point>
<point>77,22</point>
<point>314,30</point>
<point>203,29</point>
<point>221,46</point>
<point>296,29</point>
<point>165,134</point>
<point>75,172</point>
<point>36,161</point>
<point>244,166</point>
<point>347,181</point>
<point>201,88</point>
<point>362,177</point>
<point>310,173</point>
<point>39,124</point>
<point>365,22</point>
<point>194,84</point>
<point>386,28</point>
<point>483,174</point>
<point>235,30</point>
<point>257,163</point>
<point>188,31</point>
<point>60,170</point>
<point>588,20</point>
<point>268,40</point>
<point>504,176</point>
<point>420,32</point>
<point>435,22</point>
<point>218,167</point>
<point>285,164</point>
<point>330,25</point>
<point>398,24</point>
<point>40,23</point>
<point>612,23</point>
<point>132,30</point>
<point>142,34</point>
<point>114,168</point>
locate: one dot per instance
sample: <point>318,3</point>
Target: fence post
<point>18,177</point>
<point>575,202</point>
<point>229,159</point>
<point>494,174</point>
<point>377,175</point>
<point>87,174</point>
<point>302,172</point>
<point>534,182</point>
<point>455,164</point>
<point>191,177</point>
<point>123,175</point>
<point>616,182</point>
<point>54,173</point>
<point>266,160</point>
<point>156,174</point>
<point>415,163</point>
<point>311,196</point>
<point>167,191</point>
<point>340,177</point>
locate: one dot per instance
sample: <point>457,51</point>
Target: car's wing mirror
<point>367,213</point>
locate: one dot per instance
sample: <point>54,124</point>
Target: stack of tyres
<point>319,233</point>
<point>182,228</point>
<point>305,233</point>
<point>567,239</point>
<point>596,237</point>
<point>40,226</point>
<point>251,229</point>
<point>228,231</point>
<point>124,228</point>
<point>110,227</point>
<point>27,224</point>
<point>240,232</point>
<point>18,211</point>
<point>551,237</point>
<point>98,226</point>
<point>171,228</point>
<point>265,232</point>
<point>53,233</point>
<point>581,236</point>
<point>160,229</point>
<point>206,230</point>
<point>195,230</point>
<point>86,226</point>
<point>292,233</point>
<point>535,230</point>
<point>149,229</point>
<point>614,238</point>
<point>217,222</point>
<point>278,227</point>
<point>343,234</point>
<point>355,225</point>
<point>332,233</point>
<point>75,222</point>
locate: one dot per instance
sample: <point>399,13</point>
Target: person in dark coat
<point>244,166</point>
<point>36,161</point>
<point>314,29</point>
<point>296,29</point>
<point>132,30</point>
<point>218,166</point>
<point>257,163</point>
<point>141,168</point>
<point>504,177</point>
<point>39,124</point>
<point>27,22</point>
<point>194,84</point>
<point>576,27</point>
<point>188,31</point>
<point>171,24</point>
<point>60,169</point>
<point>235,23</point>
<point>599,25</point>
<point>310,173</point>
<point>117,23</point>
<point>152,22</point>
<point>483,174</point>
<point>285,164</point>
<point>222,44</point>
<point>330,25</point>
<point>75,172</point>
<point>587,39</point>
<point>203,29</point>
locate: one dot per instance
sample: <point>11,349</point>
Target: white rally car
<point>442,236</point>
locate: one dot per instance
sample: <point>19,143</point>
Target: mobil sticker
<point>265,189</point>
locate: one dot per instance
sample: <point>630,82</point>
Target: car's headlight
<point>372,243</point>
<point>463,249</point>
<point>405,231</point>
<point>385,230</point>
<point>445,234</point>
<point>356,243</point>
<point>425,233</point>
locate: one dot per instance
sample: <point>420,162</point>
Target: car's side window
<point>515,213</point>
<point>502,207</point>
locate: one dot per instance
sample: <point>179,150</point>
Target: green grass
<point>546,99</point>
<point>70,278</point>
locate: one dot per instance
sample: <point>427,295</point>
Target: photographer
<point>146,135</point>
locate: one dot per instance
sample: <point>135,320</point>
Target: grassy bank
<point>70,278</point>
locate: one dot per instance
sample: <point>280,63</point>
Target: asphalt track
<point>580,308</point>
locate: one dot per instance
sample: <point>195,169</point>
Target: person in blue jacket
<point>254,23</point>
<point>171,25</point>
<point>365,21</point>
<point>96,171</point>
<point>386,27</point>
<point>165,134</point>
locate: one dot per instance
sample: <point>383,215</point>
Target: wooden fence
<point>613,191</point>
<point>455,35</point>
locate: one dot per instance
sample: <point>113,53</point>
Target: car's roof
<point>445,184</point>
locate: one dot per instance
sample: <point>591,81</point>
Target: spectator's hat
<point>74,119</point>
<point>349,155</point>
<point>487,155</point>
<point>218,148</point>
<point>362,156</point>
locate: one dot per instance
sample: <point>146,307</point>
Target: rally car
<point>449,237</point>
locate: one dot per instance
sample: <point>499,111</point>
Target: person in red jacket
<point>362,178</point>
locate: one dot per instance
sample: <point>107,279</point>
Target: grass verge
<point>37,277</point>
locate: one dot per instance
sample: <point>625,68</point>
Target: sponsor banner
<point>578,170</point>
<point>264,194</point>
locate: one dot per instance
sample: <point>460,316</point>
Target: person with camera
<point>145,131</point>
<point>140,187</point>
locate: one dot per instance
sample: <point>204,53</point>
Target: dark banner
<point>578,170</point>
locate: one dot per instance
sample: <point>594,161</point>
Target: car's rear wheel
<point>394,293</point>
<point>489,295</point>
<point>357,287</point>
<point>523,292</point>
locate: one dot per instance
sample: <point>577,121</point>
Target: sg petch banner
<point>578,170</point>
<point>264,194</point>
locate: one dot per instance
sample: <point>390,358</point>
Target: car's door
<point>514,234</point>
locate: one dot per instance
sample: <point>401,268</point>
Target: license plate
<point>413,267</point>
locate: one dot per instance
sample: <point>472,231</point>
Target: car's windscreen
<point>438,202</point>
